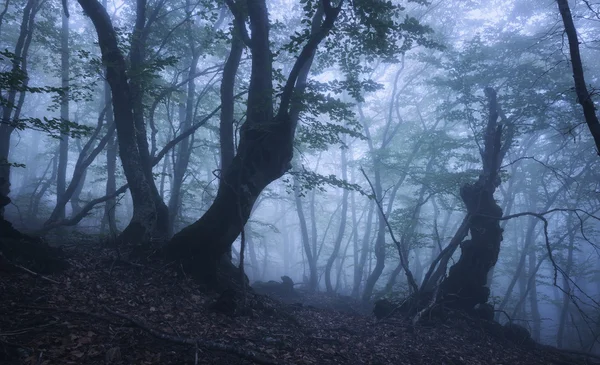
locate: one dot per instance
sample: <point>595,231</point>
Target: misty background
<point>412,125</point>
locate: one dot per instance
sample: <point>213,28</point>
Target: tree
<point>465,285</point>
<point>263,155</point>
<point>150,218</point>
<point>584,98</point>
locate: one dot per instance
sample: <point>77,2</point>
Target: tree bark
<point>465,285</point>
<point>583,96</point>
<point>264,154</point>
<point>144,220</point>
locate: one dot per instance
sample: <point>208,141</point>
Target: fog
<point>393,129</point>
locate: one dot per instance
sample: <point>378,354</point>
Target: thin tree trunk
<point>63,156</point>
<point>14,99</point>
<point>342,227</point>
<point>533,299</point>
<point>566,299</point>
<point>359,269</point>
<point>308,251</point>
<point>583,96</point>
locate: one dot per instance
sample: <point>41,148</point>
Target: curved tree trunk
<point>145,214</point>
<point>466,283</point>
<point>264,154</point>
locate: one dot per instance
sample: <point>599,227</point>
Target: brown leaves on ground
<point>107,311</point>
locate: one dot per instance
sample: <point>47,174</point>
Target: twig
<point>403,260</point>
<point>28,271</point>
<point>70,311</point>
<point>431,304</point>
<point>24,330</point>
<point>210,345</point>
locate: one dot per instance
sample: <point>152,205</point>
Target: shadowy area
<point>19,251</point>
<point>107,310</point>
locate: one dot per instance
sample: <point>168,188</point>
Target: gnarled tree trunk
<point>264,153</point>
<point>465,285</point>
<point>143,191</point>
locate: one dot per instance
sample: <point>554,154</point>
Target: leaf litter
<point>103,310</point>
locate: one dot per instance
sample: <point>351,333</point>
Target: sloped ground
<point>108,311</point>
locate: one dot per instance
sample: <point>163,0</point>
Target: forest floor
<point>104,310</point>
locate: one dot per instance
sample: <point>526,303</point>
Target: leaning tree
<point>266,140</point>
<point>465,285</point>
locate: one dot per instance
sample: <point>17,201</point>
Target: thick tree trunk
<point>466,283</point>
<point>145,215</point>
<point>263,156</point>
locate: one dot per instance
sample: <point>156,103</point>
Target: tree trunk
<point>465,285</point>
<point>308,251</point>
<point>359,268</point>
<point>184,150</point>
<point>63,156</point>
<point>14,99</point>
<point>342,227</point>
<point>110,207</point>
<point>264,154</point>
<point>85,159</point>
<point>145,215</point>
<point>583,96</point>
<point>533,298</point>
<point>566,299</point>
<point>160,229</point>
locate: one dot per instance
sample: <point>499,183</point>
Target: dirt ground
<point>106,310</point>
